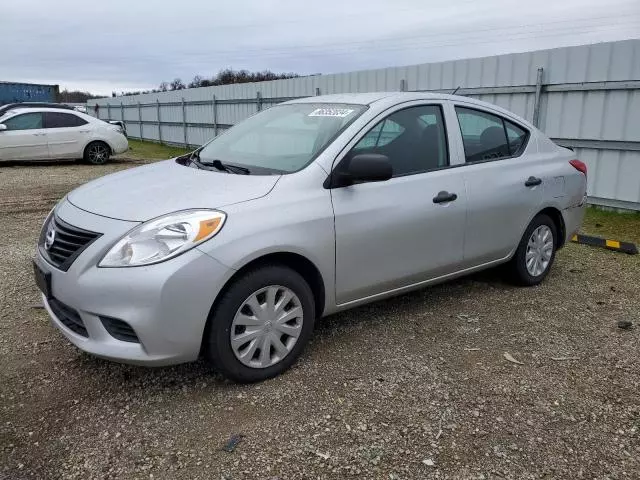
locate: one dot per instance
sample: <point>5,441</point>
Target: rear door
<point>503,186</point>
<point>67,134</point>
<point>393,234</point>
<point>25,138</point>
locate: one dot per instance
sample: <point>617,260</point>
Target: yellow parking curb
<point>615,245</point>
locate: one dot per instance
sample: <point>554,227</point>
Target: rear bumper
<point>120,144</point>
<point>572,218</point>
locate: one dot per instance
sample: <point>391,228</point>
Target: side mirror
<point>366,167</point>
<point>3,127</point>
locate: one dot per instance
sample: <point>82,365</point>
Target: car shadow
<point>60,163</point>
<point>411,302</point>
<point>35,163</point>
<point>187,375</point>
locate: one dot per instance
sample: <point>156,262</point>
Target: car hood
<point>142,193</point>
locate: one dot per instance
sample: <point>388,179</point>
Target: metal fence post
<point>215,116</point>
<point>159,121</point>
<point>403,85</point>
<point>122,112</point>
<point>536,102</point>
<point>259,100</point>
<point>109,111</point>
<point>140,122</point>
<point>184,123</point>
<point>317,91</point>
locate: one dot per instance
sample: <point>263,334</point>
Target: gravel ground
<point>413,387</point>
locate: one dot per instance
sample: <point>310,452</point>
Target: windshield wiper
<point>192,158</point>
<point>225,167</point>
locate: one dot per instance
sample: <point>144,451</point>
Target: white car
<point>52,134</point>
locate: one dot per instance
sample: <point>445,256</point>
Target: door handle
<point>85,131</point>
<point>38,134</point>
<point>532,181</point>
<point>444,197</point>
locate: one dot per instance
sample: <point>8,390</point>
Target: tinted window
<point>414,139</point>
<point>26,121</point>
<point>383,133</point>
<point>483,135</point>
<point>61,120</point>
<point>489,137</point>
<point>517,137</point>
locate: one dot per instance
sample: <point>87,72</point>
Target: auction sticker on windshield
<point>331,112</point>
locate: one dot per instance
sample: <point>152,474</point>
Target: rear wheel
<point>97,153</point>
<point>536,252</point>
<point>261,324</point>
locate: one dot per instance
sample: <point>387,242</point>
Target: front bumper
<point>166,304</point>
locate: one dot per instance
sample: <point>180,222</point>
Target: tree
<point>196,82</point>
<point>226,77</point>
<point>177,84</point>
<point>75,96</point>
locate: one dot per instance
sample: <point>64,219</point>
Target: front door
<point>24,139</point>
<point>400,232</point>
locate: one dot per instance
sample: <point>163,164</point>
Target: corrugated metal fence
<point>585,97</point>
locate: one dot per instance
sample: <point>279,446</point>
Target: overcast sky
<point>115,45</point>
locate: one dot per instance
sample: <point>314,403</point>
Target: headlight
<point>163,238</point>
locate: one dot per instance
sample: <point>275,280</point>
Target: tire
<point>97,153</point>
<point>520,272</point>
<point>233,317</point>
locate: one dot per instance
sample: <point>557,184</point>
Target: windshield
<point>284,138</point>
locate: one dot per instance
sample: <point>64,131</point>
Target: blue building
<point>12,92</point>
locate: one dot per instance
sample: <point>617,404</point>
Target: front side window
<point>383,133</point>
<point>414,139</point>
<point>62,120</point>
<point>489,137</point>
<point>26,121</point>
<point>284,138</point>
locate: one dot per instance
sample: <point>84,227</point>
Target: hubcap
<point>97,153</point>
<point>266,326</point>
<point>539,250</point>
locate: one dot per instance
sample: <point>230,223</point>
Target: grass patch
<point>152,151</point>
<point>613,225</point>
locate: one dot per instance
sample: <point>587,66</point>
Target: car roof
<point>392,98</point>
<point>371,97</point>
<point>11,106</point>
<point>41,109</point>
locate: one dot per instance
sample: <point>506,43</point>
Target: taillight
<point>580,166</point>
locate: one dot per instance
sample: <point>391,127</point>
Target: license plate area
<point>43,280</point>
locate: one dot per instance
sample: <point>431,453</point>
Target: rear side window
<point>62,120</point>
<point>516,136</point>
<point>489,137</point>
<point>26,121</point>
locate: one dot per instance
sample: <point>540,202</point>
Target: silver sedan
<point>308,208</point>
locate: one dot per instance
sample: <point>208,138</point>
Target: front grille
<point>68,242</point>
<point>119,330</point>
<point>68,317</point>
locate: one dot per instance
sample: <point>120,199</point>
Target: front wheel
<point>536,252</point>
<point>97,153</point>
<point>261,324</point>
